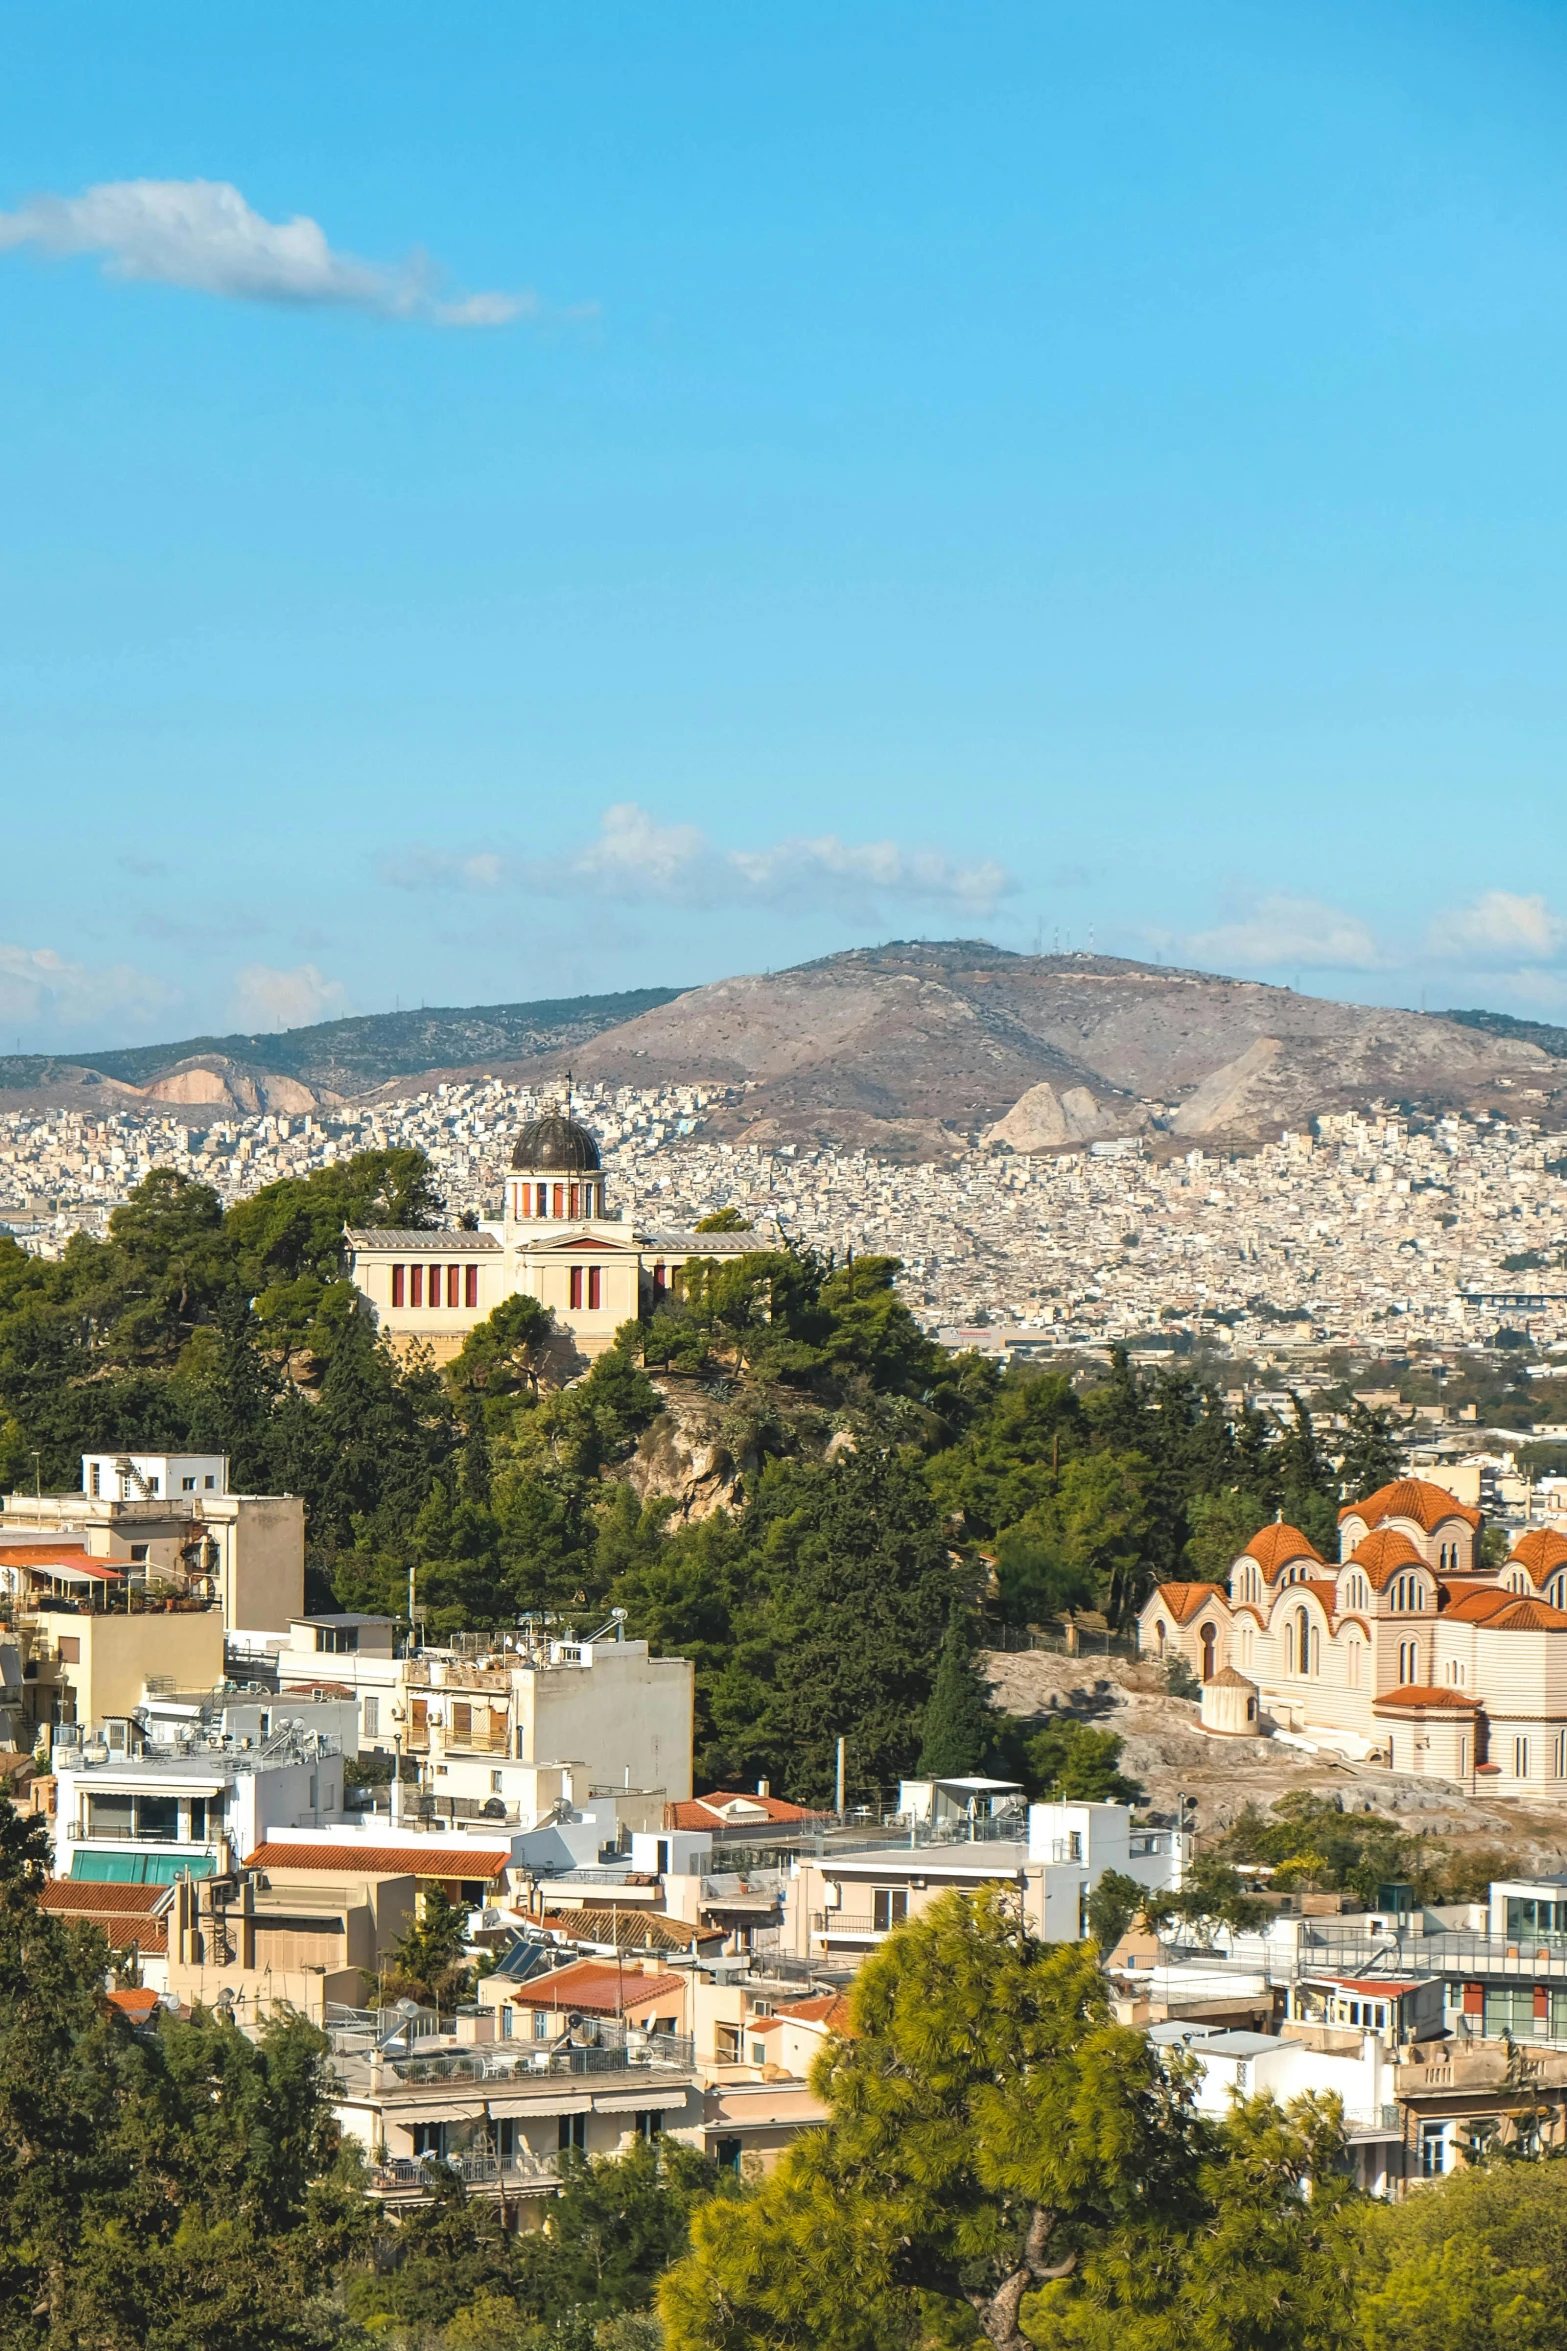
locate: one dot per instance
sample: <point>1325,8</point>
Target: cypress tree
<point>956,1723</point>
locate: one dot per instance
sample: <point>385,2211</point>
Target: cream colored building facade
<point>554,1240</point>
<point>170,1517</point>
<point>1406,1647</point>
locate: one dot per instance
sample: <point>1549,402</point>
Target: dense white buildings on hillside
<point>1374,1227</point>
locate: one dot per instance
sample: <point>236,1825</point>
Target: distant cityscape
<point>1375,1230</point>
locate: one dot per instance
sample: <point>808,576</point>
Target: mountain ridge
<point>910,1049</point>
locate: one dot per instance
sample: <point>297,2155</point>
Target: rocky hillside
<point>919,1048</point>
<point>913,1050</point>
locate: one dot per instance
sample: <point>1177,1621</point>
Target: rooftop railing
<point>417,2173</point>
<point>612,2054</point>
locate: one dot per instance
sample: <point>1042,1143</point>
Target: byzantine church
<point>556,1239</point>
<point>1406,1649</point>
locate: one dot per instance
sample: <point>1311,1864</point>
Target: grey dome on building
<point>556,1145</point>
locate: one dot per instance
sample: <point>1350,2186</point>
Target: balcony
<point>615,2051</point>
<point>843,1925</point>
<point>408,2178</point>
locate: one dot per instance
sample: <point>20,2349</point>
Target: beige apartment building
<point>166,1519</point>
<point>554,1240</point>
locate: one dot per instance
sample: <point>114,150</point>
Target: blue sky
<point>502,503</point>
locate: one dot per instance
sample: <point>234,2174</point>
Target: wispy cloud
<point>1498,928</point>
<point>39,986</point>
<point>1277,931</point>
<point>203,235</point>
<point>268,999</point>
<point>639,861</point>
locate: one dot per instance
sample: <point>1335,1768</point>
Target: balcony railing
<point>849,1922</point>
<point>404,2172</point>
<point>636,2053</point>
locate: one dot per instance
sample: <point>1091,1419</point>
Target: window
<point>372,1718</point>
<point>497,1783</point>
<point>140,1553</point>
<point>575,1196</point>
<point>544,1199</point>
<point>399,1285</point>
<point>660,1280</point>
<point>576,1285</point>
<point>462,1720</point>
<point>470,1285</point>
<point>1407,1669</point>
<point>453,1276</point>
<point>1463,1759</point>
<point>198,1819</point>
<point>1210,1642</point>
<point>508,2019</point>
<point>1559,1757</point>
<point>209,1484</point>
<point>558,1199</point>
<point>726,2044</point>
<point>541,2024</point>
<point>651,2124</point>
<point>595,1287</point>
<point>726,2154</point>
<point>429,2139</point>
<point>68,1648</point>
<point>1433,2150</point>
<point>435,1285</point>
<point>1352,1656</point>
<point>416,1285</point>
<point>337,1640</point>
<point>1520,1759</point>
<point>95,1480</point>
<point>890,1907</point>
<point>187,1485</point>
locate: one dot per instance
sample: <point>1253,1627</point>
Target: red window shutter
<point>576,1285</point>
<point>453,1273</point>
<point>573,1206</point>
<point>435,1285</point>
<point>595,1286</point>
<point>560,1200</point>
<point>399,1285</point>
<point>470,1285</point>
<point>416,1281</point>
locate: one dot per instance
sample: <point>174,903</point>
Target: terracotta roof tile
<point>382,1861</point>
<point>713,1810</point>
<point>1273,1547</point>
<point>631,1930</point>
<point>596,1984</point>
<point>1184,1601</point>
<point>1426,1694</point>
<point>1414,1498</point>
<point>100,1898</point>
<point>1541,1552</point>
<point>1382,1555</point>
<point>828,2008</point>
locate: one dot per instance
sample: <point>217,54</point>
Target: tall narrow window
<point>453,1275</point>
<point>435,1285</point>
<point>576,1285</point>
<point>576,1194</point>
<point>595,1287</point>
<point>470,1285</point>
<point>558,1201</point>
<point>660,1280</point>
<point>416,1285</point>
<point>544,1199</point>
<point>399,1285</point>
<point>1520,1759</point>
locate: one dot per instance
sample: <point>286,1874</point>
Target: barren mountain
<point>913,1050</point>
<point>920,1048</point>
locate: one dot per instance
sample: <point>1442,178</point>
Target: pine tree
<point>956,1724</point>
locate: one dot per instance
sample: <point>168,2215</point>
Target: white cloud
<point>39,985</point>
<point>1278,932</point>
<point>202,234</point>
<point>268,999</point>
<point>1498,927</point>
<point>639,861</point>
